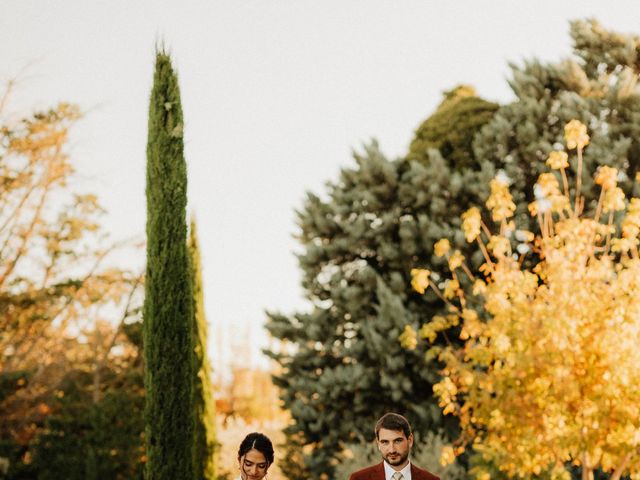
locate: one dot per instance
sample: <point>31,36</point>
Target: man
<point>394,438</point>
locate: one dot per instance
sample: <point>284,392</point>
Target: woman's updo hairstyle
<point>257,441</point>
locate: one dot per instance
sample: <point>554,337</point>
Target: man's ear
<point>410,440</point>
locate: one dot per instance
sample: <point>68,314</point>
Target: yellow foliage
<point>471,224</point>
<point>575,134</point>
<point>456,260</point>
<point>553,373</point>
<point>409,338</point>
<point>61,306</point>
<point>558,160</point>
<point>442,247</point>
<point>500,202</point>
<point>613,200</point>
<point>420,279</point>
<point>606,177</point>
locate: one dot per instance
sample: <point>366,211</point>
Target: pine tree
<point>168,306</point>
<point>359,246</point>
<point>204,434</point>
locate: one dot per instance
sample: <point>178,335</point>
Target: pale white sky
<point>275,94</point>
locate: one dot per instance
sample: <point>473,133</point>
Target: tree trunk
<point>623,465</point>
<point>587,471</point>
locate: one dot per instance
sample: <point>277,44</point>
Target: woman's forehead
<point>255,456</point>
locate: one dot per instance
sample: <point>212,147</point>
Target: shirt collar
<point>389,471</point>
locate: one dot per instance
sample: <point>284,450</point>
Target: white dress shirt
<point>389,471</point>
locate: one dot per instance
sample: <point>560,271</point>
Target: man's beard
<point>398,459</point>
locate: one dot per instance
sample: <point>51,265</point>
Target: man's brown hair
<point>393,421</point>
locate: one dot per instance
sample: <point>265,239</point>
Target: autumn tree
<point>168,304</point>
<point>549,371</point>
<point>56,280</point>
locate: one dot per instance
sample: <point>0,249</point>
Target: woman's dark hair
<point>258,441</point>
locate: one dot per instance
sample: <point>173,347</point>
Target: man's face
<point>395,447</point>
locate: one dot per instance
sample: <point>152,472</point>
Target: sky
<point>276,97</point>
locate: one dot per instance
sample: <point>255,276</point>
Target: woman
<point>255,456</point>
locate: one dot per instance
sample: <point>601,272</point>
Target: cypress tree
<point>204,434</point>
<point>168,305</point>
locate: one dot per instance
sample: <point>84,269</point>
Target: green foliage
<point>291,457</point>
<point>451,128</point>
<point>204,434</point>
<point>168,306</point>
<point>604,50</point>
<point>93,438</point>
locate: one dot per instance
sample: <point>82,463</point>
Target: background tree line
<point>71,337</point>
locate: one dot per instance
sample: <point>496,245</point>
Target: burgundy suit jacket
<point>376,472</point>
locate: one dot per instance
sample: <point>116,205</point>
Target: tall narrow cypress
<point>204,434</point>
<point>168,305</point>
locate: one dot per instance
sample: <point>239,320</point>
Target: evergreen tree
<point>168,306</point>
<point>204,435</point>
<point>360,244</point>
